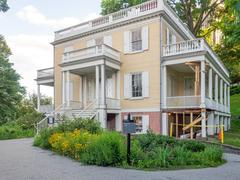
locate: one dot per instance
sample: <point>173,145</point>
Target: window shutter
<point>145,84</point>
<point>145,123</point>
<point>108,40</point>
<point>91,43</point>
<point>145,37</point>
<point>127,86</point>
<point>127,42</point>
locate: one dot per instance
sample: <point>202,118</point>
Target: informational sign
<point>129,127</point>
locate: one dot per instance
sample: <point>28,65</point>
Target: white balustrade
<point>183,101</point>
<point>113,103</point>
<point>49,72</point>
<point>122,15</point>
<point>183,47</point>
<point>91,52</point>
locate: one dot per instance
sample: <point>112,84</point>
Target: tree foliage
<point>33,98</point>
<point>3,6</point>
<point>10,89</point>
<point>229,48</point>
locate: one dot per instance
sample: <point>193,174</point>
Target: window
<point>137,40</point>
<point>99,42</point>
<point>137,85</point>
<point>138,121</point>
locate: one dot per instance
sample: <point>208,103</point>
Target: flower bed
<point>149,151</point>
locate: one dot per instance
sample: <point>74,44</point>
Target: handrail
<point>46,118</point>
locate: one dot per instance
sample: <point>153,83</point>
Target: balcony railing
<point>183,101</point>
<point>113,103</point>
<point>212,104</point>
<point>91,52</point>
<point>43,73</point>
<point>184,47</point>
<point>123,15</point>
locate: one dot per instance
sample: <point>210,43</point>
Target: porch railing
<point>91,52</point>
<point>49,72</point>
<point>183,101</point>
<point>123,15</point>
<point>113,103</point>
<point>183,47</point>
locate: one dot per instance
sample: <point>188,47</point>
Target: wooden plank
<point>192,123</point>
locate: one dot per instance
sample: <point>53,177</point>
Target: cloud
<point>32,15</point>
<point>30,53</point>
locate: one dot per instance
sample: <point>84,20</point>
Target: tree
<point>10,89</point>
<point>45,100</point>
<point>229,49</point>
<point>3,6</point>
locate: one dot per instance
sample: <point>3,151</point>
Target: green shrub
<point>235,90</point>
<point>90,125</point>
<point>42,139</point>
<point>29,120</point>
<point>193,146</point>
<point>108,149</point>
<point>211,156</point>
<point>12,130</point>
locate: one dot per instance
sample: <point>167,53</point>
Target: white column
<point>204,134</point>
<point>102,110</point>
<point>63,88</point>
<point>229,123</point>
<point>103,88</point>
<point>68,88</point>
<point>210,123</point>
<point>118,84</point>
<point>216,87</point>
<point>225,122</point>
<point>164,87</point>
<point>225,94</point>
<point>38,97</point>
<point>217,123</point>
<point>97,84</point>
<point>85,91</point>
<point>118,122</point>
<point>210,81</point>
<point>81,91</point>
<point>203,84</point>
<point>164,124</point>
<point>221,91</point>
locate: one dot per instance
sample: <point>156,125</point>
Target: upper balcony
<point>123,15</point>
<point>45,77</point>
<point>184,47</point>
<point>91,53</point>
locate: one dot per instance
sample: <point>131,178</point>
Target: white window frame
<point>131,86</point>
<point>137,42</point>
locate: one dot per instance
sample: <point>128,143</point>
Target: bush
<point>108,149</point>
<point>235,90</point>
<point>91,126</point>
<point>29,120</point>
<point>11,130</point>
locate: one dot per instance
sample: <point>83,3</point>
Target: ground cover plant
<point>86,142</point>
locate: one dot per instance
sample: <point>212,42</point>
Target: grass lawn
<point>232,137</point>
<point>235,105</point>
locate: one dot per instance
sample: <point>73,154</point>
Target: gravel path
<point>20,160</point>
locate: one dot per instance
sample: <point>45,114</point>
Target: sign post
<point>129,127</point>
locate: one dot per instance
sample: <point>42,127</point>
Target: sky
<point>28,27</point>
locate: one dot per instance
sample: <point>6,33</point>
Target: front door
<point>111,121</point>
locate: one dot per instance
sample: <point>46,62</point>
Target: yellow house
<point>144,61</point>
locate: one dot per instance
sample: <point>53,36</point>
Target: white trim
<point>141,110</point>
